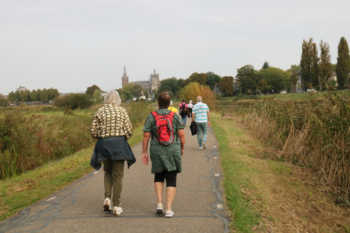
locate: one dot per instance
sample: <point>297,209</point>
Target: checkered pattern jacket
<point>111,121</point>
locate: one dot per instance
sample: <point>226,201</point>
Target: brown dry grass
<point>289,198</point>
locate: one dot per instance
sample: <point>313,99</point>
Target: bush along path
<point>199,203</point>
<point>265,194</point>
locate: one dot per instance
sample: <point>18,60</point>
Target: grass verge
<point>236,174</point>
<point>18,192</point>
<point>264,194</point>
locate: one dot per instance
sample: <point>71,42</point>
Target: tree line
<point>43,95</point>
<point>317,69</point>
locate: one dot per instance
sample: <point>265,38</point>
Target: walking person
<point>112,127</point>
<point>167,148</point>
<point>183,112</point>
<point>190,106</point>
<point>171,108</point>
<point>201,116</point>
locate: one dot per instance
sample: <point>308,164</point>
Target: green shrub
<point>4,102</point>
<point>74,101</point>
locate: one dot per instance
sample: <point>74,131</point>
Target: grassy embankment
<point>265,194</point>
<point>49,132</point>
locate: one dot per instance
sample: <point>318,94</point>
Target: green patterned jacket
<point>111,121</point>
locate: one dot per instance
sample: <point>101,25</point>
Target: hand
<point>209,124</point>
<point>145,158</point>
<point>182,152</point>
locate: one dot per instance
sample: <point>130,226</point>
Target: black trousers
<point>170,178</point>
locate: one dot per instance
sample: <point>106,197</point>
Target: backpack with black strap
<point>164,124</point>
<point>184,110</point>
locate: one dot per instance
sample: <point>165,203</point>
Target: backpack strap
<point>154,114</point>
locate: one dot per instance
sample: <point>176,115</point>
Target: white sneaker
<point>107,205</point>
<point>200,148</point>
<point>160,208</point>
<point>204,146</point>
<point>169,214</point>
<point>117,210</point>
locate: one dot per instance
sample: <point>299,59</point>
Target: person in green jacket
<point>166,160</point>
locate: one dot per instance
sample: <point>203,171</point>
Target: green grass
<point>301,96</point>
<point>236,174</point>
<point>18,192</point>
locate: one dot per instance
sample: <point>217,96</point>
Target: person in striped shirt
<point>200,115</point>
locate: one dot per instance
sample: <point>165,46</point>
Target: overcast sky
<point>70,45</point>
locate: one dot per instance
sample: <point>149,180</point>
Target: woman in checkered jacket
<point>112,128</point>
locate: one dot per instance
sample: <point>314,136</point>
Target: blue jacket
<point>112,148</point>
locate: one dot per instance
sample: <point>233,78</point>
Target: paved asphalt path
<point>198,204</point>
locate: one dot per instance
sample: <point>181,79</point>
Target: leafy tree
<point>246,77</point>
<point>180,81</point>
<point>213,79</point>
<point>53,93</point>
<point>12,96</point>
<point>4,102</point>
<point>127,92</point>
<point>277,79</point>
<point>18,97</point>
<point>28,95</point>
<point>263,86</point>
<point>74,101</point>
<point>44,96</point>
<point>97,96</point>
<point>169,84</point>
<point>266,65</point>
<point>334,67</point>
<point>306,60</point>
<point>226,85</point>
<point>325,67</point>
<point>23,97</point>
<point>38,94</point>
<point>192,90</point>
<point>314,74</point>
<point>293,77</point>
<point>138,91</point>
<point>145,93</point>
<point>200,78</point>
<point>33,95</point>
<point>343,63</point>
<point>90,90</point>
<point>296,68</point>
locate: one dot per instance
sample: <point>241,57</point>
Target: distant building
<point>216,89</point>
<point>125,78</point>
<point>1,95</point>
<point>152,84</point>
<point>299,85</point>
<point>22,88</point>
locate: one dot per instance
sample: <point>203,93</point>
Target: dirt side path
<point>198,205</point>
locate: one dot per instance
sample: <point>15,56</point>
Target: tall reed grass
<point>28,141</point>
<point>315,136</point>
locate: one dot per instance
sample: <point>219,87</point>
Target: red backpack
<point>164,124</point>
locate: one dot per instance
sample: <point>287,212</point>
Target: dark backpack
<point>164,124</point>
<point>183,109</point>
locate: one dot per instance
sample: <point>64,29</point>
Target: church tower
<point>154,79</point>
<point>125,78</point>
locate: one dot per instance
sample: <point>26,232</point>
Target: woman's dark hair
<point>183,101</point>
<point>164,100</point>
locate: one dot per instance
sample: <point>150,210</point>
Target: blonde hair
<point>112,97</point>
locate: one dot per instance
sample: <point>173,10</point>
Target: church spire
<point>125,78</point>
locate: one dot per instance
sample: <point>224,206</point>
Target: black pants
<point>170,178</point>
<point>190,112</point>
